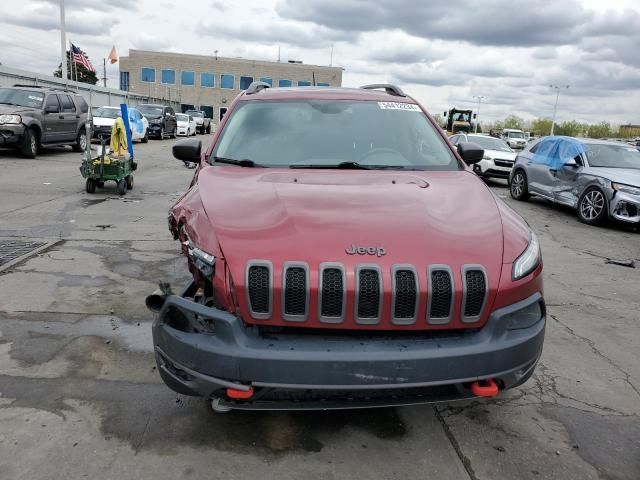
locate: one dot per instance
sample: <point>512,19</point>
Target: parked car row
<point>105,117</point>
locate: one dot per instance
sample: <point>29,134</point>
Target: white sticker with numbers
<point>407,107</point>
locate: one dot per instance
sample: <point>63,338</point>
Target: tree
<point>541,127</point>
<point>439,119</point>
<point>600,130</point>
<point>570,128</point>
<point>84,75</point>
<point>513,121</point>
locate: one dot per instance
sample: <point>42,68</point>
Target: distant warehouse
<point>210,83</point>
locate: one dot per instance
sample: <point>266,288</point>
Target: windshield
<point>490,143</point>
<point>613,156</point>
<point>181,117</point>
<point>194,113</point>
<point>106,112</point>
<point>296,133</point>
<point>22,98</point>
<point>150,110</point>
<point>515,135</point>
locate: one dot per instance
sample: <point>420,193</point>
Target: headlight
<point>528,260</point>
<point>523,318</point>
<point>621,187</point>
<point>10,119</point>
<point>203,261</point>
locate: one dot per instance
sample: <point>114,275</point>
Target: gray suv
<point>32,117</point>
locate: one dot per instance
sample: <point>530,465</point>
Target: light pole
<point>63,45</point>
<point>555,107</point>
<point>480,99</point>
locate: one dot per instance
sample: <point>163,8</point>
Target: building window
<point>207,80</point>
<point>323,84</point>
<point>124,81</point>
<point>227,81</point>
<point>188,78</point>
<point>245,82</point>
<point>148,74</point>
<point>304,83</point>
<point>284,83</point>
<point>168,76</point>
<point>267,80</point>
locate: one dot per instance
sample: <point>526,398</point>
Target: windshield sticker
<point>407,107</point>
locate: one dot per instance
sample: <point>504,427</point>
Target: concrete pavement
<point>80,397</point>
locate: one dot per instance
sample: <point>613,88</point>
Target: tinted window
<point>227,81</point>
<point>148,74</point>
<point>52,101</point>
<point>150,110</point>
<point>84,107</point>
<point>489,143</point>
<point>323,84</point>
<point>304,83</point>
<point>328,132</point>
<point>207,80</point>
<point>188,78</point>
<point>245,82</point>
<point>66,103</point>
<point>267,80</point>
<point>168,76</point>
<point>284,83</point>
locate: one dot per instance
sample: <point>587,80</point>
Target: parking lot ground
<point>80,397</point>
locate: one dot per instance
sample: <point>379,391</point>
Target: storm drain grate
<point>13,251</point>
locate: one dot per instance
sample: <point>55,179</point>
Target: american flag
<point>80,57</point>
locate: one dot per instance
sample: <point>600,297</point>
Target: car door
<point>53,120</point>
<point>170,125</point>
<point>565,187</point>
<point>70,117</point>
<point>540,177</point>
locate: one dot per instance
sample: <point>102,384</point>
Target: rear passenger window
<point>67,103</point>
<point>84,108</point>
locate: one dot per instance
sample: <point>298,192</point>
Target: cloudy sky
<point>443,53</point>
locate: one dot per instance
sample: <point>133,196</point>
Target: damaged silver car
<point>600,179</point>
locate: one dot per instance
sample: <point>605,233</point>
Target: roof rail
<point>45,87</point>
<point>27,86</point>
<point>389,88</point>
<point>256,87</point>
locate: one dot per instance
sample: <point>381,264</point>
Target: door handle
<point>77,116</point>
<point>61,117</point>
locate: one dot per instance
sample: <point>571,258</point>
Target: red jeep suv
<point>344,255</point>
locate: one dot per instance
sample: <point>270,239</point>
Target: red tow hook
<point>485,388</point>
<point>234,394</point>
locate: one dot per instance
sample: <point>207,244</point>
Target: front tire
<point>81,141</point>
<point>30,143</point>
<point>519,188</point>
<point>593,206</point>
<point>145,139</point>
<point>161,136</point>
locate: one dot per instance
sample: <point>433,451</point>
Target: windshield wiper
<point>245,162</point>
<point>9,103</point>
<point>345,165</point>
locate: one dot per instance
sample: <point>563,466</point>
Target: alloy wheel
<point>592,204</point>
<point>517,184</point>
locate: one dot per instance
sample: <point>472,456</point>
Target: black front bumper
<point>11,135</point>
<point>322,370</point>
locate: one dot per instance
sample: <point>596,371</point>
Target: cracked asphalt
<point>80,397</point>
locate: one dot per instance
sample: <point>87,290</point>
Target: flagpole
<point>63,44</point>
<point>104,66</point>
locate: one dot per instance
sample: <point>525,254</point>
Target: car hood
<point>419,218</point>
<point>9,109</point>
<point>628,176</point>
<point>103,121</point>
<point>500,154</point>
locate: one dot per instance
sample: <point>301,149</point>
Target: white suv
<point>514,138</point>
<point>498,156</point>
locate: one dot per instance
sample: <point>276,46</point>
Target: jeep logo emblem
<point>355,249</point>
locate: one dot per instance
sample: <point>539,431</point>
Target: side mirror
<point>571,163</point>
<point>188,150</point>
<point>445,114</point>
<point>51,109</point>
<point>470,152</point>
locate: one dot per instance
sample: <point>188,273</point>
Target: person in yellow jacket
<point>119,144</point>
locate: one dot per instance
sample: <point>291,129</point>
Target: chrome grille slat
<point>369,292</point>
<point>404,294</point>
<point>295,291</point>
<point>441,294</point>
<point>475,291</point>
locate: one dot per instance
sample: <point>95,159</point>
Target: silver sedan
<point>600,179</point>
